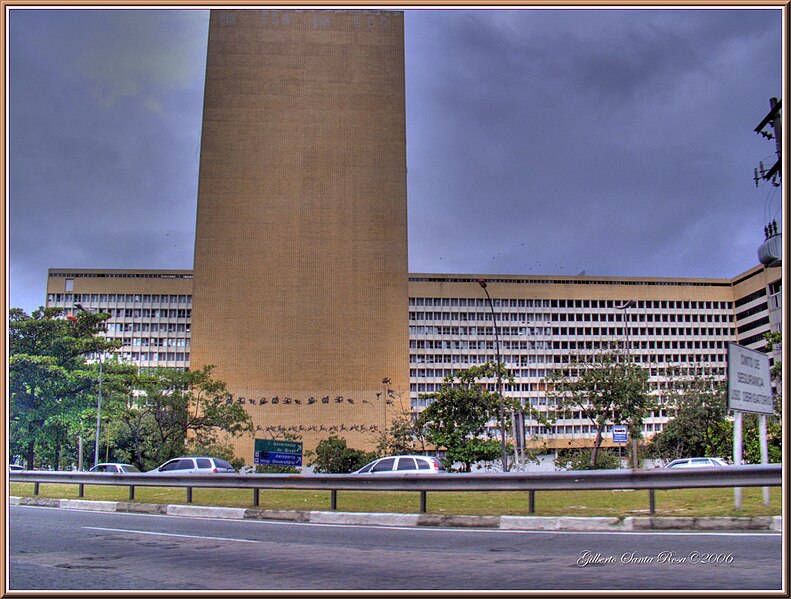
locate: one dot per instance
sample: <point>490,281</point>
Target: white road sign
<point>749,381</point>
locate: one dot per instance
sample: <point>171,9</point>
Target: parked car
<point>15,468</point>
<point>115,468</point>
<point>403,464</point>
<point>194,465</point>
<point>697,463</point>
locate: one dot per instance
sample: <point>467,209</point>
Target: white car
<point>194,465</point>
<point>15,468</point>
<point>115,468</point>
<point>697,463</point>
<point>403,464</point>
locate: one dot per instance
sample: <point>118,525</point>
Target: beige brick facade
<point>300,297</point>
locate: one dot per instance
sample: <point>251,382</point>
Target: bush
<point>580,459</point>
<point>332,456</point>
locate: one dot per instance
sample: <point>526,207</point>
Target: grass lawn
<point>681,502</point>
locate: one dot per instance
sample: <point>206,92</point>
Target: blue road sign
<point>274,458</point>
<point>619,434</point>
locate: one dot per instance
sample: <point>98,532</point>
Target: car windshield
<point>129,468</point>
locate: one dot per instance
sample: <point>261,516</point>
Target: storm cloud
<point>539,141</point>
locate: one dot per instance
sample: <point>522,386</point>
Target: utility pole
<point>772,119</point>
<point>770,251</point>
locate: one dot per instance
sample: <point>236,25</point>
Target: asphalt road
<point>55,549</point>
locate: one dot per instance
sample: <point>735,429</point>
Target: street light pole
<point>625,307</point>
<point>625,314</point>
<point>482,283</point>
<point>99,399</point>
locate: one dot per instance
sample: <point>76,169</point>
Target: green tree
<point>699,426</point>
<point>457,419</point>
<point>176,407</point>
<point>403,435</point>
<point>607,388</point>
<point>52,386</point>
<point>333,456</point>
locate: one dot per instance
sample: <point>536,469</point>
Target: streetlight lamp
<point>482,283</point>
<point>99,400</point>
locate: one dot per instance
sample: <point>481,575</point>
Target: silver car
<point>697,463</point>
<point>194,465</point>
<point>115,468</point>
<point>403,464</point>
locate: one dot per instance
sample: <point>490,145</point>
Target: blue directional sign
<point>271,452</point>
<point>619,434</point>
<point>272,458</point>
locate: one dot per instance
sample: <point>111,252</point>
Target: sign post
<point>271,452</point>
<point>620,434</point>
<point>749,390</point>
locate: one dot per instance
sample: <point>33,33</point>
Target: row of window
<point>129,298</point>
<point>753,325</point>
<point>560,359</point>
<point>528,318</point>
<point>155,356</point>
<point>475,331</point>
<point>145,327</point>
<point>634,344</point>
<point>120,275</point>
<point>568,303</point>
<point>574,281</point>
<point>758,309</point>
<point>156,342</point>
<point>581,429</point>
<point>748,298</point>
<point>479,302</point>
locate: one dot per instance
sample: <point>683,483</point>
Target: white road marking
<point>169,534</point>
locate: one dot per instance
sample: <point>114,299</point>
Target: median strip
<point>538,523</point>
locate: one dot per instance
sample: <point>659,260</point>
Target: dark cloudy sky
<point>618,142</point>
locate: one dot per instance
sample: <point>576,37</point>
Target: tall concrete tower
<point>300,289</point>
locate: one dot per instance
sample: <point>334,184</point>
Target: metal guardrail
<point>581,480</point>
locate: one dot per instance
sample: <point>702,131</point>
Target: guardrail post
<point>334,500</point>
<point>532,508</point>
<point>256,497</point>
<point>189,494</point>
<point>35,488</point>
<point>131,492</point>
<point>651,502</point>
<point>422,502</point>
<point>81,490</point>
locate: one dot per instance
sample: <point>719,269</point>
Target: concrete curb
<point>369,519</point>
<point>200,511</point>
<point>561,523</point>
<point>537,523</point>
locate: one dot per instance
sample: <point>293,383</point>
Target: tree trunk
<point>635,457</point>
<point>31,455</point>
<point>596,445</point>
